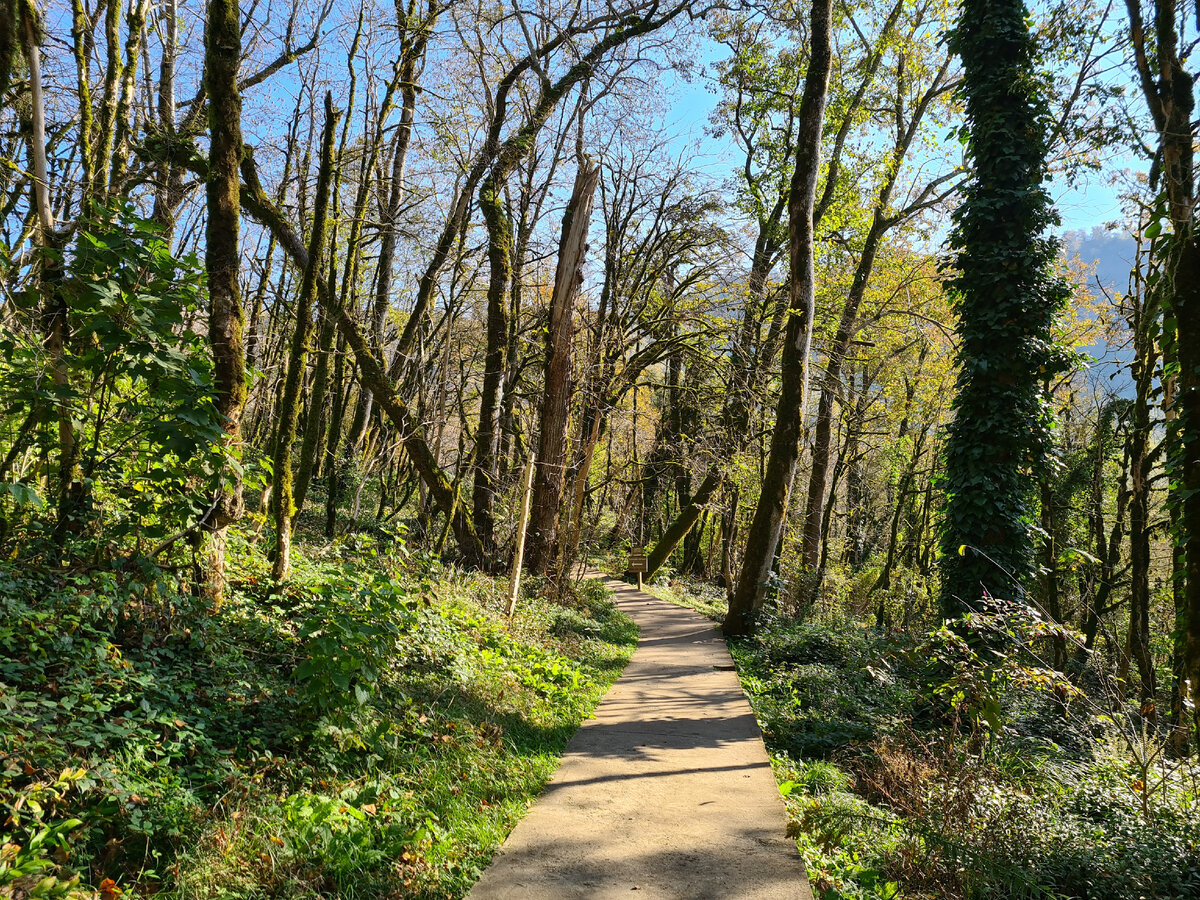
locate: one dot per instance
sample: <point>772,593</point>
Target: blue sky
<point>1082,206</point>
<point>1086,206</point>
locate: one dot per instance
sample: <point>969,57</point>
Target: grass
<point>706,599</point>
<point>375,730</point>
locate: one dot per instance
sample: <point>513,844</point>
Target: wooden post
<point>637,563</point>
<point>514,579</point>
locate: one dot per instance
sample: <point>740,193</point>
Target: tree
<point>551,453</point>
<point>282,500</point>
<point>222,260</point>
<point>762,539</point>
<point>1007,299</point>
<point>656,222</point>
<point>507,155</point>
<point>931,81</point>
<point>1168,89</point>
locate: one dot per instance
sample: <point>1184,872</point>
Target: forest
<point>341,339</point>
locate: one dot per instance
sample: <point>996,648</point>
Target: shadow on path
<point>667,791</point>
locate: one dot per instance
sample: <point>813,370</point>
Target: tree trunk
<point>881,223</point>
<point>823,433</point>
<point>222,54</point>
<point>683,523</point>
<point>1140,464</point>
<point>168,192</point>
<point>552,448</point>
<point>857,498</point>
<point>762,539</point>
<point>884,581</point>
<point>590,429</point>
<point>1051,588</point>
<point>54,309</point>
<point>332,466</point>
<point>102,149</point>
<point>750,360</point>
<point>282,500</point>
<point>1168,89</point>
<point>314,427</point>
<point>1187,310</point>
<point>135,35</point>
<point>373,377</point>
<point>499,254</point>
<point>412,50</point>
<point>81,44</point>
<point>1007,298</point>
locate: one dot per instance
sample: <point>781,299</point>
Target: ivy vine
<point>1007,297</point>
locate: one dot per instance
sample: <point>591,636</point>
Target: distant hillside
<point>1112,253</point>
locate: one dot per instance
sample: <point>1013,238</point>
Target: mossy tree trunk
<point>318,419</point>
<point>222,54</point>
<point>282,499</point>
<point>762,538</point>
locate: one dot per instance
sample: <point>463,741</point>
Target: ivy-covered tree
<point>1007,297</point>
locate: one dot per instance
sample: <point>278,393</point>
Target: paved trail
<point>666,794</point>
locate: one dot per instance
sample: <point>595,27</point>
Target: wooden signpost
<point>637,563</point>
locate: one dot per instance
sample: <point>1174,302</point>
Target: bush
<point>136,384</point>
<point>348,637</point>
<point>890,798</point>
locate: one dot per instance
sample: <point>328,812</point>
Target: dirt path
<point>666,793</point>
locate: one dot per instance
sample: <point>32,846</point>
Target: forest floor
<point>667,790</point>
<point>375,728</point>
<point>372,730</point>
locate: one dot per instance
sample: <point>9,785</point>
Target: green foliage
<point>138,386</point>
<point>374,730</point>
<point>889,798</point>
<point>973,682</point>
<point>1007,299</point>
<point>36,829</point>
<point>349,636</point>
<point>343,839</point>
<point>817,691</point>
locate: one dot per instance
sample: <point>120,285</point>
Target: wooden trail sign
<point>637,563</point>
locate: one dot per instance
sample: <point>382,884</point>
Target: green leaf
<point>22,494</point>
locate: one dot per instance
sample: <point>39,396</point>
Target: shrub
<point>137,385</point>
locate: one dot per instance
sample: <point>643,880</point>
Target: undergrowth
<point>903,780</point>
<point>373,730</point>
